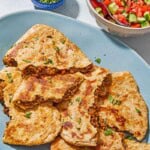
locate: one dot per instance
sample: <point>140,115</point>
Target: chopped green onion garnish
<point>79,121</point>
<point>78,99</point>
<point>98,9</point>
<point>27,61</point>
<point>138,111</point>
<point>56,48</point>
<point>62,41</point>
<point>49,61</point>
<point>28,114</point>
<point>10,79</point>
<point>10,97</point>
<point>129,137</point>
<point>49,1</point>
<point>108,132</point>
<point>98,60</point>
<point>110,98</point>
<point>113,101</point>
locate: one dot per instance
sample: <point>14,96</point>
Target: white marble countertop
<point>78,9</point>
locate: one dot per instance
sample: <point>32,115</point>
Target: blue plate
<point>94,42</point>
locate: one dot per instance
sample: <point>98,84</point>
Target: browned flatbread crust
<point>60,144</point>
<point>34,91</point>
<point>124,107</point>
<point>43,125</point>
<point>10,80</point>
<point>133,145</point>
<point>43,50</point>
<point>33,127</point>
<point>79,125</point>
<point>114,141</point>
<point>106,142</point>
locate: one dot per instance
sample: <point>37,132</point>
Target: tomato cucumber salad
<point>134,13</point>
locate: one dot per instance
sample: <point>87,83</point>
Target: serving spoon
<point>107,13</point>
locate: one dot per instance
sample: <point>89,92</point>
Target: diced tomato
<point>126,7</point>
<point>107,2</point>
<point>144,8</point>
<point>137,25</point>
<point>122,19</point>
<point>139,12</point>
<point>118,2</point>
<point>120,10</point>
<point>128,3</point>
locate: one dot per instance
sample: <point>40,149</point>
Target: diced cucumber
<point>98,9</point>
<point>132,18</point>
<point>113,7</point>
<point>141,19</point>
<point>125,14</point>
<point>147,2</point>
<point>145,24</point>
<point>147,15</point>
<point>101,14</point>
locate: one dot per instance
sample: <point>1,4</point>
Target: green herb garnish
<point>49,61</point>
<point>27,61</point>
<point>110,98</point>
<point>79,121</point>
<point>10,97</point>
<point>108,132</point>
<point>129,137</point>
<point>56,48</point>
<point>78,99</point>
<point>10,79</point>
<point>138,111</point>
<point>98,60</point>
<point>28,114</point>
<point>26,46</point>
<point>113,101</point>
<point>49,1</point>
<point>62,41</point>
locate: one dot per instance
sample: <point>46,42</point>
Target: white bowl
<point>115,28</point>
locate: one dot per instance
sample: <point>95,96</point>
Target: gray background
<point>78,9</point>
